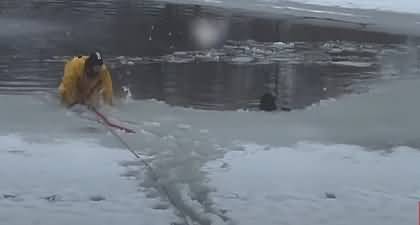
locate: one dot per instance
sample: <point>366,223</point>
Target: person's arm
<point>68,86</point>
<point>107,87</point>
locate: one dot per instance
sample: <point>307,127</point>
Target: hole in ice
<point>330,195</point>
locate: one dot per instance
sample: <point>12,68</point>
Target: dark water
<point>154,51</point>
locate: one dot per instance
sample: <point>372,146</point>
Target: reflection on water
<point>195,56</point>
<point>236,75</point>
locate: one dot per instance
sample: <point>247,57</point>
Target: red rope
<point>109,123</point>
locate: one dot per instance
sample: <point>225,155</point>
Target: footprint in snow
<point>9,196</point>
<point>224,165</point>
<point>12,197</point>
<point>16,152</point>
<point>53,198</point>
<point>161,206</point>
<point>97,198</point>
<point>329,195</point>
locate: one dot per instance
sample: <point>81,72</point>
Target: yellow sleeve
<point>68,86</point>
<point>107,87</point>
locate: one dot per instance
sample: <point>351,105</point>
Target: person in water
<point>86,81</point>
<point>268,102</point>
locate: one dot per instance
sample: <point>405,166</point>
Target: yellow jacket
<point>75,88</point>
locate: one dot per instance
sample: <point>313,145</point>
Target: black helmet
<point>95,58</point>
<point>93,64</point>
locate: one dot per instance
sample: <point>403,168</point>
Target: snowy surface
<point>223,168</point>
<point>397,17</point>
<point>69,182</point>
<point>290,185</point>
<point>403,6</point>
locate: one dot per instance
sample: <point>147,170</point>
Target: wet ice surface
<point>405,6</point>
<point>204,159</point>
<point>311,183</point>
<point>375,15</point>
<point>178,154</point>
<point>69,182</point>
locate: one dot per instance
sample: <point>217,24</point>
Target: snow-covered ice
<point>350,160</point>
<point>70,182</point>
<point>410,6</point>
<point>402,6</point>
<point>276,185</point>
<point>397,17</point>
